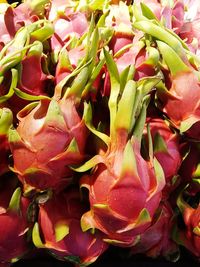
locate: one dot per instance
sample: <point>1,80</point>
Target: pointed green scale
<point>29,97</point>
<point>63,82</point>
<point>115,86</point>
<point>6,119</point>
<point>145,85</point>
<point>73,146</point>
<point>143,218</point>
<point>172,59</point>
<point>36,49</point>
<point>44,32</point>
<point>115,90</point>
<point>12,86</point>
<point>87,221</point>
<point>139,125</point>
<point>125,107</point>
<point>13,136</point>
<point>187,123</point>
<point>37,241</point>
<point>61,231</point>
<point>138,16</point>
<point>54,113</point>
<point>39,6</point>
<point>181,203</point>
<point>87,116</point>
<point>153,56</point>
<point>159,144</point>
<point>64,61</point>
<point>32,171</point>
<point>89,164</point>
<point>129,164</point>
<point>160,176</point>
<point>146,11</point>
<point>93,45</point>
<point>196,230</point>
<point>14,204</point>
<point>78,84</point>
<point>93,77</point>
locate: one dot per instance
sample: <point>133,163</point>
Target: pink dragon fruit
<point>26,88</point>
<point>12,19</point>
<point>61,231</point>
<point>5,123</point>
<point>190,235</point>
<point>13,223</point>
<point>156,240</point>
<point>68,26</point>
<point>181,100</point>
<point>39,162</point>
<point>121,176</point>
<point>166,150</point>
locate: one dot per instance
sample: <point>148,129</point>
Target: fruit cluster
<point>99,128</point>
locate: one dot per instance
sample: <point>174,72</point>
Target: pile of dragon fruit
<point>99,129</point>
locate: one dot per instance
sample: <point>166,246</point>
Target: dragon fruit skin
<point>185,103</point>
<point>73,244</point>
<point>180,101</point>
<point>13,223</point>
<point>166,150</point>
<point>38,160</point>
<point>156,240</point>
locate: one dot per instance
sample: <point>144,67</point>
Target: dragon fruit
<point>181,101</point>
<point>61,231</point>
<point>14,225</point>
<point>156,240</point>
<point>68,26</point>
<point>39,164</point>
<point>5,123</point>
<point>121,175</point>
<point>20,56</point>
<point>190,235</point>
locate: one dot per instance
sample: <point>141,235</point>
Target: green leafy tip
<point>6,119</point>
<point>14,204</point>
